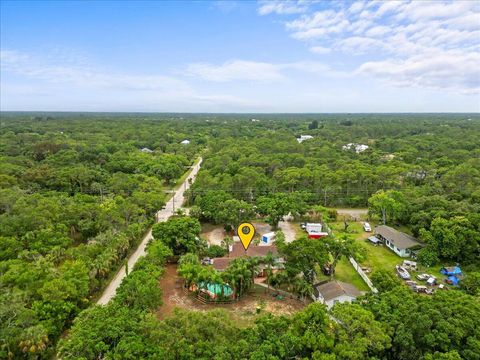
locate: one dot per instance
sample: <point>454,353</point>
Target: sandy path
<point>215,236</point>
<point>162,215</point>
<point>288,229</point>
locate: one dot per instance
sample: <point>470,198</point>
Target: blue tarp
<point>454,280</point>
<point>451,271</point>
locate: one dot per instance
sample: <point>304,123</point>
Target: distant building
<point>146,150</point>
<point>185,142</point>
<point>402,244</point>
<point>357,147</point>
<point>302,138</point>
<point>334,292</point>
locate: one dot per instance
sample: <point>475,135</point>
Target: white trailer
<point>268,238</point>
<point>313,228</point>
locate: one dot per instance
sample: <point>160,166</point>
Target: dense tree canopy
<point>77,193</point>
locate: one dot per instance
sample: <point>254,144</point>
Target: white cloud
<point>281,7</point>
<point>320,50</point>
<point>436,70</point>
<point>356,7</point>
<point>242,70</point>
<point>440,38</point>
<point>379,30</point>
<point>236,70</point>
<point>82,75</point>
<point>64,85</point>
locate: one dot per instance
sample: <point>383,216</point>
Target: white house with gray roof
<point>334,292</point>
<point>400,243</point>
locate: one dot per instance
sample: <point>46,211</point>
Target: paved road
<point>162,215</point>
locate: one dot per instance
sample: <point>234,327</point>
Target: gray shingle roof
<point>333,289</point>
<point>399,239</point>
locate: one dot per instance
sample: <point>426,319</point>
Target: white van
<point>367,227</point>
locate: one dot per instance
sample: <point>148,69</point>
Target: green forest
<point>79,191</point>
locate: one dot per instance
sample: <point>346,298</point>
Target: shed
<point>185,142</point>
<point>268,237</point>
<point>146,150</point>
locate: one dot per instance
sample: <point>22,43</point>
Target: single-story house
<point>237,250</point>
<point>400,243</point>
<point>334,292</point>
<point>185,142</point>
<point>146,150</point>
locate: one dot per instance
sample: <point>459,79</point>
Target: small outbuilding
<point>400,243</point>
<point>185,142</point>
<point>334,292</point>
<point>146,150</point>
<point>268,238</point>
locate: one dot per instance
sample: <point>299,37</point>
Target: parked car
<point>367,227</point>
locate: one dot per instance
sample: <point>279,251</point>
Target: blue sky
<point>240,56</point>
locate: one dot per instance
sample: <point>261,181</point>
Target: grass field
<point>376,257</point>
<point>346,273</point>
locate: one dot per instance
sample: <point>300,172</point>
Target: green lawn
<point>344,270</point>
<point>346,273</point>
<point>379,257</point>
<point>376,257</point>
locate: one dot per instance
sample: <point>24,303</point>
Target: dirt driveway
<point>288,229</point>
<point>214,234</point>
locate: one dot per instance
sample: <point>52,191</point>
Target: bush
<point>215,251</point>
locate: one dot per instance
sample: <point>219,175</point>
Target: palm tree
<point>226,242</point>
<point>269,261</point>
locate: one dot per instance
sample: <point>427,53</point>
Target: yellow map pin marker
<point>246,232</point>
